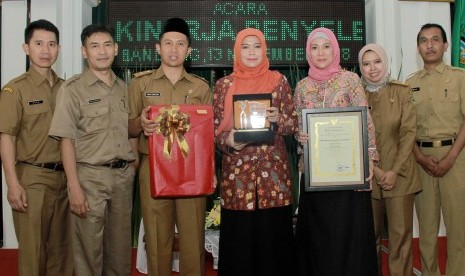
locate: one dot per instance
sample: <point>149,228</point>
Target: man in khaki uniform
<point>439,97</point>
<point>91,119</point>
<point>31,160</point>
<point>170,84</point>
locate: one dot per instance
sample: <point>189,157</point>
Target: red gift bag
<point>181,151</point>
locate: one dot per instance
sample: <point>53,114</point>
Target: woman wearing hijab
<point>256,235</point>
<point>396,178</point>
<point>334,233</point>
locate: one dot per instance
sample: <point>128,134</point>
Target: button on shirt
<point>95,115</point>
<point>26,109</point>
<point>439,98</point>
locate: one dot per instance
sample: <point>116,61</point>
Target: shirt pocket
<point>123,105</point>
<point>450,94</point>
<point>37,116</point>
<point>95,118</point>
<point>448,102</point>
<point>417,97</point>
<point>33,108</point>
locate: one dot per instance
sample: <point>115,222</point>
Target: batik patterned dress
<point>259,173</point>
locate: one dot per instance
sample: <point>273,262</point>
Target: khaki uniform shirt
<point>439,98</point>
<point>26,109</point>
<point>394,117</point>
<point>154,88</point>
<point>95,116</point>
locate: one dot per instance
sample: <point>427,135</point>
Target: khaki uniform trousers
<point>102,241</point>
<point>399,211</point>
<point>160,217</point>
<point>43,232</point>
<point>446,193</point>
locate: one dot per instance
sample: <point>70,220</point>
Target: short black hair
<point>429,26</point>
<point>89,30</point>
<point>40,24</point>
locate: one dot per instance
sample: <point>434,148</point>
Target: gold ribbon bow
<point>173,124</point>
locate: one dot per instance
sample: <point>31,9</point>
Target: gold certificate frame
<point>336,154</point>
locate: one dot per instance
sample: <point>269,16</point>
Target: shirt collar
<point>38,78</point>
<point>440,69</point>
<point>90,78</point>
<point>160,74</point>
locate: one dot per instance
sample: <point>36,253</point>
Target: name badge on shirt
<point>35,102</point>
<point>415,89</point>
<point>94,101</point>
<point>152,94</point>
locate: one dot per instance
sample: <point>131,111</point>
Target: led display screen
<point>214,25</point>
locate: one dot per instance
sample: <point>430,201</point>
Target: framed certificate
<point>336,154</point>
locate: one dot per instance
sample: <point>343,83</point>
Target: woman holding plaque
<point>256,203</point>
<point>334,233</point>
<point>396,178</point>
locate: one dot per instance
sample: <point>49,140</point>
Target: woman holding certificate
<point>256,203</point>
<point>396,178</point>
<point>334,234</point>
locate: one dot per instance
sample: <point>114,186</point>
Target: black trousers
<point>335,234</point>
<point>256,243</point>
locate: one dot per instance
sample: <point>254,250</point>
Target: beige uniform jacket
<point>26,109</point>
<point>394,117</point>
<point>95,116</point>
<point>154,88</point>
<point>439,98</point>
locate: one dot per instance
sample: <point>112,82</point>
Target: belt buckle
<point>437,144</point>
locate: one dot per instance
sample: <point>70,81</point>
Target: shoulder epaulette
<point>457,68</point>
<point>70,80</point>
<point>21,77</point>
<point>413,74</point>
<point>199,77</point>
<point>397,82</point>
<point>8,89</point>
<point>143,73</point>
<point>10,86</point>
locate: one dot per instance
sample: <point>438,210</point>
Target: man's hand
<point>428,163</point>
<point>17,198</point>
<point>443,166</point>
<point>148,126</point>
<point>78,202</point>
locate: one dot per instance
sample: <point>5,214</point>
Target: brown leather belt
<point>49,166</point>
<point>435,144</point>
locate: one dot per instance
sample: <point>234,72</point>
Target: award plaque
<point>250,118</point>
<point>336,154</point>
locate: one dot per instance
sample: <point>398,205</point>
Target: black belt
<point>435,144</point>
<point>116,164</point>
<point>50,166</point>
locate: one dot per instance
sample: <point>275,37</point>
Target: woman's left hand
<point>388,181</point>
<point>272,114</point>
